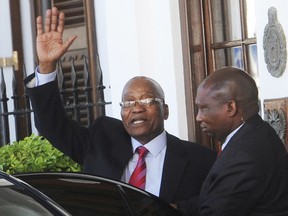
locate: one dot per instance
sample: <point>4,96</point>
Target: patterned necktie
<point>138,177</point>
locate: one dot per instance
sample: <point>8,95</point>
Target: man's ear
<point>166,111</point>
<point>232,108</point>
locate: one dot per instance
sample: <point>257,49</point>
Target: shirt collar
<point>155,146</point>
<point>230,136</point>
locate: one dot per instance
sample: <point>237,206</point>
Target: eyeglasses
<point>143,102</point>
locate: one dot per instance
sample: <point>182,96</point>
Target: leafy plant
<point>34,154</point>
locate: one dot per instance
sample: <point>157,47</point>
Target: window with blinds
<point>74,11</point>
<point>73,59</point>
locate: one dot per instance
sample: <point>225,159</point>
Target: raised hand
<point>49,43</point>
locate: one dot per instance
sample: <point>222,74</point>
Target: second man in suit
<point>250,176</point>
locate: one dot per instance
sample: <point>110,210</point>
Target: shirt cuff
<point>42,79</point>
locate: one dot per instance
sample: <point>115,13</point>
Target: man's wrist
<point>46,68</point>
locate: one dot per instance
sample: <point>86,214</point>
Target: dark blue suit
<point>105,148</point>
<point>250,177</point>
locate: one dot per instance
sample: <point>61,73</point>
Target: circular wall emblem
<point>274,44</point>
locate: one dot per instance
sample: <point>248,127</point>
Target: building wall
<point>135,38</point>
<point>143,38</point>
<point>270,86</point>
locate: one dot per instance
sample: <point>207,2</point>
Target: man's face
<point>143,122</point>
<point>212,115</point>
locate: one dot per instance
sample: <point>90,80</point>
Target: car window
<point>101,196</point>
<point>84,197</point>
<point>15,201</point>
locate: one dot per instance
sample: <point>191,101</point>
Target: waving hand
<point>49,43</point>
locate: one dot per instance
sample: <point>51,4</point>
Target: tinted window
<point>15,201</point>
<point>99,197</point>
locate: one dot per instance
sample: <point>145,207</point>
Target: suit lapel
<point>121,150</point>
<point>174,165</point>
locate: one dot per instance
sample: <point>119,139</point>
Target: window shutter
<point>74,11</point>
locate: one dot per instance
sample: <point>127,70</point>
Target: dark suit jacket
<point>250,177</point>
<point>105,148</point>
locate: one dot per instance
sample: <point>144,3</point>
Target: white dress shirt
<point>154,162</point>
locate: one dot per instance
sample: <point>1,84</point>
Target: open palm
<point>49,43</point>
<point>50,46</point>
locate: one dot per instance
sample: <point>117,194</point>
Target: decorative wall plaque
<point>276,113</point>
<point>274,44</point>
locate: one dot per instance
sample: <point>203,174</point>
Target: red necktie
<point>138,177</point>
<point>219,147</point>
<point>219,152</point>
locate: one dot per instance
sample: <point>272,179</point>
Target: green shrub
<point>34,154</point>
